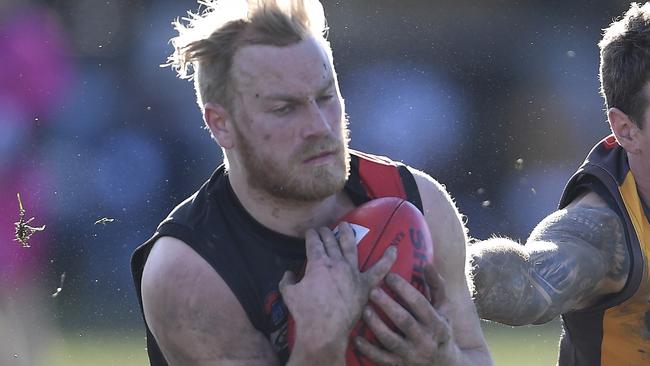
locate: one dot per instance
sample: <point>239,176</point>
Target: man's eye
<point>283,110</point>
<point>324,98</point>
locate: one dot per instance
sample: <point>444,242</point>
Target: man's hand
<point>329,299</point>
<point>427,332</point>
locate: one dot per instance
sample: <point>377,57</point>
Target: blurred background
<point>496,99</point>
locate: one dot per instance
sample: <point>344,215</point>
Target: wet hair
<point>625,62</point>
<point>208,39</point>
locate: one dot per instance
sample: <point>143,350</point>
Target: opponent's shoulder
<point>588,217</point>
<point>589,236</point>
<point>193,314</point>
<point>588,199</point>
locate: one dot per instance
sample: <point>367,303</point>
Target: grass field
<point>530,345</point>
<point>98,350</point>
<point>510,346</point>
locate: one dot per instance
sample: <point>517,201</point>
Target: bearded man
<point>217,279</point>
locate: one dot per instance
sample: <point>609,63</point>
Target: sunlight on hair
<point>212,15</point>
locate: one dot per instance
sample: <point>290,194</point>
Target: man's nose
<point>316,122</point>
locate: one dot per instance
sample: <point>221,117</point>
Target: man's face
<point>291,133</point>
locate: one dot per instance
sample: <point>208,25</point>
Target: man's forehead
<point>304,63</point>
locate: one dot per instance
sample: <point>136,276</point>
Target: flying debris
<point>104,220</point>
<point>519,164</point>
<point>60,288</point>
<point>23,230</point>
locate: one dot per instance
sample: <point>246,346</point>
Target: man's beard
<point>293,180</point>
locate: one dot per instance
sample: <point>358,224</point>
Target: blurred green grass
<point>110,349</point>
<point>533,345</point>
<point>510,346</point>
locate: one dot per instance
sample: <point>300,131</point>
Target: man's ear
<point>625,130</point>
<point>218,121</point>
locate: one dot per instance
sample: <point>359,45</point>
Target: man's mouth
<point>320,157</point>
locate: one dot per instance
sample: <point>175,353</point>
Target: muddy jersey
<point>250,257</point>
<point>616,331</point>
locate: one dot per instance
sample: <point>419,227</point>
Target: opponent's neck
<point>642,178</point>
<point>291,218</point>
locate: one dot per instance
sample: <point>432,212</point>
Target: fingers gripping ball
<point>378,224</point>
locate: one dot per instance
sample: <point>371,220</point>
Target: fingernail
<point>392,249</point>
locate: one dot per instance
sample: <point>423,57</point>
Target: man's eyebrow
<point>329,84</point>
<point>293,98</point>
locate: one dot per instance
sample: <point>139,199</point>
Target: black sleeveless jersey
<point>251,258</point>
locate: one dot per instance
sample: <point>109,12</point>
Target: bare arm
<point>193,314</point>
<point>197,320</point>
<point>450,237</point>
<point>572,259</point>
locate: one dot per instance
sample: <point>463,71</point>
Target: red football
<point>378,224</point>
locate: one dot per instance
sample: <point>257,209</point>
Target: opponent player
<point>589,261</point>
<point>210,278</point>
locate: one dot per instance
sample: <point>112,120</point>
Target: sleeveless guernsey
<point>615,332</point>
<point>251,258</point>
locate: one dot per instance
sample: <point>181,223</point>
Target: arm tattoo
<point>571,259</point>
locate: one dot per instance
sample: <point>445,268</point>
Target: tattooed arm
<point>573,258</point>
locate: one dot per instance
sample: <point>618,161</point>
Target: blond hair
<point>208,39</point>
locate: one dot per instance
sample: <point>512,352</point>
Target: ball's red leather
<point>378,224</point>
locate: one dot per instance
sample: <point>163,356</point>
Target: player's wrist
<point>318,350</point>
<point>452,354</point>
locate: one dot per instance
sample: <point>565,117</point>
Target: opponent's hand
<point>329,299</point>
<point>427,333</point>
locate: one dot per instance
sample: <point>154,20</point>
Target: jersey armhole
<point>381,177</point>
